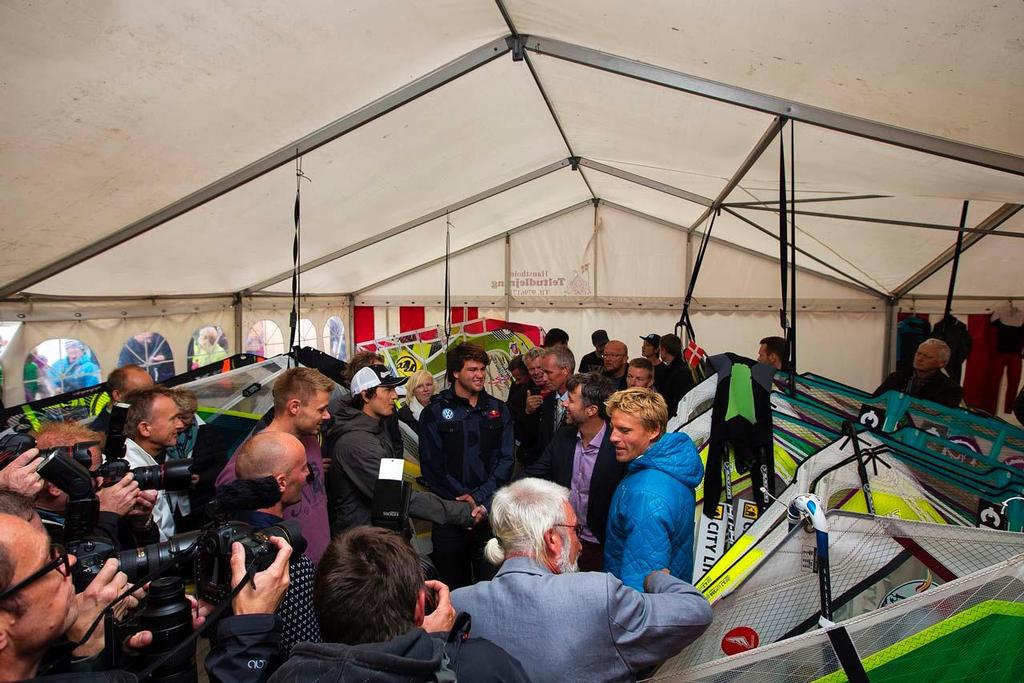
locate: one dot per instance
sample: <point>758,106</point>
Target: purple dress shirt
<point>582,471</point>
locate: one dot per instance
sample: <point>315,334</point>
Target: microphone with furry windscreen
<point>248,494</point>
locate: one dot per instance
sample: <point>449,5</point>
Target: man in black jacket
<point>676,378</point>
<point>361,440</point>
<point>38,607</point>
<point>925,379</point>
<point>581,457</point>
<point>377,625</point>
<point>559,365</point>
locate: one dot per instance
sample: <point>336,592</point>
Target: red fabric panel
<point>472,313</point>
<point>457,314</point>
<point>411,318</point>
<point>362,323</point>
<point>976,370</point>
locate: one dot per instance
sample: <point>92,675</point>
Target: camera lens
<point>148,478</point>
<point>139,562</point>
<point>168,616</point>
<point>177,475</point>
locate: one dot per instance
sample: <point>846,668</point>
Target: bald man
<point>282,456</point>
<point>616,356</point>
<point>279,455</point>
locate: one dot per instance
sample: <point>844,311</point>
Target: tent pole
<point>890,338</point>
<point>766,139</point>
<point>487,240</point>
<point>460,66</point>
<point>414,223</point>
<point>849,282</point>
<point>995,219</point>
<point>508,275</point>
<point>797,111</point>
<point>236,305</point>
<point>887,221</point>
<point>646,182</point>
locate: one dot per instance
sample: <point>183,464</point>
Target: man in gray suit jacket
<point>564,625</point>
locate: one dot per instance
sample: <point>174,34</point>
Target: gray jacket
<point>586,626</point>
<point>360,442</point>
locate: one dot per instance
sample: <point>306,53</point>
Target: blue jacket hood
<point>675,455</point>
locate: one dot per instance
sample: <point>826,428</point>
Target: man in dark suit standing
<point>558,364</point>
<point>581,457</point>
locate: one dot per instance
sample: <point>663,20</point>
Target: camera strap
<point>210,620</point>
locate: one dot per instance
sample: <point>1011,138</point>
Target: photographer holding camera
<point>281,458</point>
<point>122,500</point>
<point>40,612</point>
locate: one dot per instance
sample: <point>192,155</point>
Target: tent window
<point>151,351</point>
<point>307,333</point>
<point>207,345</point>
<point>57,366</point>
<point>334,337</point>
<point>264,339</point>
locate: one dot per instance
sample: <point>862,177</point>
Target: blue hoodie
<point>650,523</point>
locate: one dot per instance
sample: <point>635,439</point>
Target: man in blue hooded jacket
<point>650,523</point>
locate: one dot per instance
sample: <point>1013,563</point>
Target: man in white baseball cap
<point>361,441</point>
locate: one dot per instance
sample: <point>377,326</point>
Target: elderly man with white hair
<point>565,625</point>
<point>925,379</point>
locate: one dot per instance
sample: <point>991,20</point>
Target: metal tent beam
<point>759,228</point>
<point>646,182</point>
<point>393,100</point>
<point>515,41</point>
<point>887,221</point>
<point>771,104</point>
<point>409,225</point>
<point>997,218</point>
<point>476,245</point>
<point>774,128</point>
<point>747,250</point>
<point>811,200</point>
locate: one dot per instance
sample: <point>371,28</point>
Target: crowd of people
<point>562,520</point>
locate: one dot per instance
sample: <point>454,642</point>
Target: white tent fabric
<point>575,149</point>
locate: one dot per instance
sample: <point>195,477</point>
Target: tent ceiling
<point>992,267</point>
<point>436,150</point>
<point>613,119</point>
<point>116,109</point>
<point>954,70</point>
<point>472,225</point>
<point>134,116</point>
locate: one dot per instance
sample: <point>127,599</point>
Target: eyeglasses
<point>59,560</point>
<point>578,528</point>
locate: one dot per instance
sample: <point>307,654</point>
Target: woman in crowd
<point>418,394</point>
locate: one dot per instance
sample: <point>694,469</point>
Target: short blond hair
<point>418,378</point>
<point>644,404</point>
<point>58,434</point>
<point>301,383</point>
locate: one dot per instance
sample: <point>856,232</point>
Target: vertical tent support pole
<point>237,306</point>
<point>890,337</point>
<point>508,276</point>
<point>350,343</point>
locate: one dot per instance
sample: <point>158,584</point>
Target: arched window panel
<point>334,338</point>
<point>208,344</point>
<point>151,351</point>
<point>307,333</point>
<point>57,366</point>
<point>264,339</point>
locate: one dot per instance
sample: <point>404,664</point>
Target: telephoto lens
<point>175,475</point>
<point>146,559</point>
<point>168,615</point>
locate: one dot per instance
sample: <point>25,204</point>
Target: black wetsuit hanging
<point>741,422</point>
